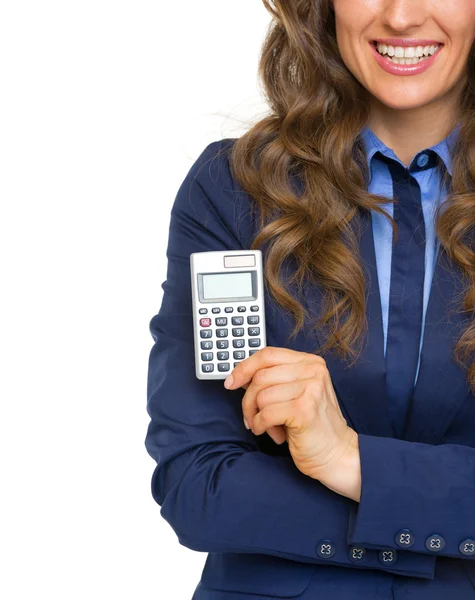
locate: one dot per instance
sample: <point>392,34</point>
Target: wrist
<point>344,477</point>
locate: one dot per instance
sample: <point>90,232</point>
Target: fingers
<point>277,433</point>
<point>273,375</point>
<point>271,415</point>
<point>257,398</point>
<point>266,357</point>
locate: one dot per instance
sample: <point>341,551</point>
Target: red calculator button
<point>205,322</point>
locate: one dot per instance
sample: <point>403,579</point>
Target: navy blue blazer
<point>268,529</point>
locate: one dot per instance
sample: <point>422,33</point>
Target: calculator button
<point>251,352</point>
<point>215,310</point>
<point>253,342</point>
<point>206,333</point>
<point>206,356</point>
<point>206,345</point>
<point>221,344</point>
<point>236,364</point>
<point>238,331</point>
<point>221,332</point>
<point>223,355</point>
<point>254,308</point>
<point>239,343</point>
<point>229,309</point>
<point>253,330</point>
<point>220,321</point>
<point>253,319</point>
<point>205,322</point>
<point>223,366</point>
<point>203,311</point>
<point>207,368</point>
<point>240,354</point>
<point>237,320</point>
<point>241,309</point>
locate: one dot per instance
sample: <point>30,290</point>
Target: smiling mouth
<point>406,55</point>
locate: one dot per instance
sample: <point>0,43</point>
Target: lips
<point>399,69</point>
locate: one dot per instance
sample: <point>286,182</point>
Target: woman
<point>356,478</point>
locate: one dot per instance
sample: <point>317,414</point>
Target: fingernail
<point>228,381</point>
<point>246,424</point>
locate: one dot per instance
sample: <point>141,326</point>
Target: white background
<point>104,106</point>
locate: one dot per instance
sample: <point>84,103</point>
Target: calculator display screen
<point>227,285</point>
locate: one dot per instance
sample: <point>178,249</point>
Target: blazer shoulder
<point>210,197</point>
<point>212,167</point>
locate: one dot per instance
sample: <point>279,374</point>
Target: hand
<point>290,395</point>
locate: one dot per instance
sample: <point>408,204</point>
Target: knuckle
<point>304,404</point>
<point>268,352</point>
<point>266,414</point>
<point>316,386</point>
<point>313,369</point>
<point>317,359</point>
<point>304,410</point>
<point>259,377</point>
<point>320,369</point>
<point>321,360</point>
<point>261,398</point>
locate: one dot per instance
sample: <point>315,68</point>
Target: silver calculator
<point>228,309</point>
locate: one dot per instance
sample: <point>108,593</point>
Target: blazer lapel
<point>441,386</point>
<point>361,389</point>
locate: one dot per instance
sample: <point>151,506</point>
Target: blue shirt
<point>381,184</point>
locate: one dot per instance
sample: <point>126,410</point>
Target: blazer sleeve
<point>415,496</point>
<point>216,488</point>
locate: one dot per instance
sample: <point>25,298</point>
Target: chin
<point>400,100</point>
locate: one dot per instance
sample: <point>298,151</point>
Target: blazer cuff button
<point>467,547</point>
<point>325,549</point>
<point>387,557</point>
<point>404,538</point>
<point>435,543</point>
<point>357,554</point>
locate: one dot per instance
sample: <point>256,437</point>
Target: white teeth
<point>407,52</point>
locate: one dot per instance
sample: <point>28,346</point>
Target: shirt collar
<point>372,144</point>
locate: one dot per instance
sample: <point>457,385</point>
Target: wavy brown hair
<point>313,132</point>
